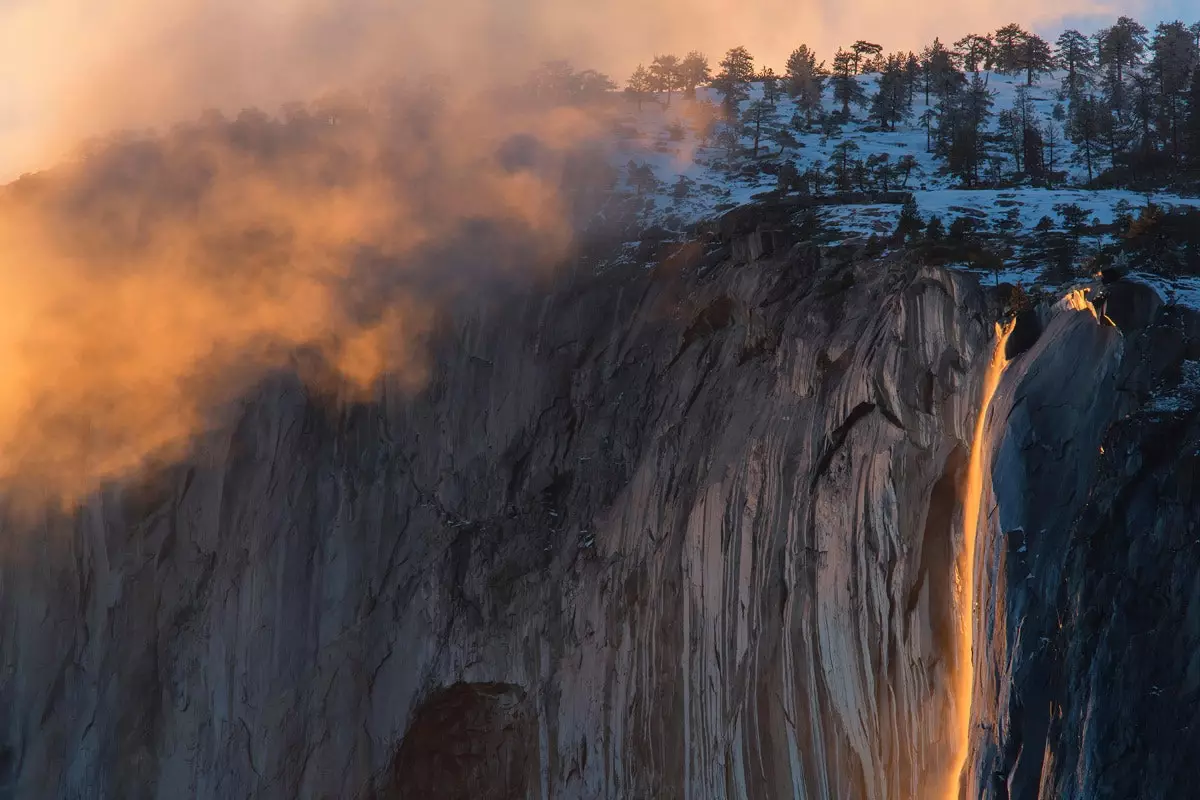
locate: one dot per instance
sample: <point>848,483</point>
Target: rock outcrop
<point>680,533</point>
<point>1088,677</point>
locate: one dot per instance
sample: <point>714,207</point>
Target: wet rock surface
<point>680,533</point>
<point>1087,681</point>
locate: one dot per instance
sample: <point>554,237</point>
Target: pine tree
<point>863,48</point>
<point>1011,135</point>
<point>906,166</point>
<point>967,123</point>
<point>1035,57</point>
<point>1175,57</point>
<point>1052,139</point>
<point>910,224</point>
<point>1192,134</point>
<point>757,120</point>
<point>942,77</point>
<point>976,51</point>
<point>890,103</point>
<point>912,76</point>
<point>805,80</point>
<point>846,88</point>
<point>770,85</point>
<point>1075,55</point>
<point>1143,111</point>
<point>783,137</point>
<point>1006,52</point>
<point>733,81</point>
<point>1085,128</point>
<point>638,85</point>
<point>664,75</point>
<point>591,85</point>
<point>1031,136</point>
<point>843,165</point>
<point>935,231</point>
<point>927,120</point>
<point>1120,49</point>
<point>693,72</point>
<point>882,171</point>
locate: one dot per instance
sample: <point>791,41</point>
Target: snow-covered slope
<point>718,182</point>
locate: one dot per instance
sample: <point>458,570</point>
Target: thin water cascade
<point>964,577</point>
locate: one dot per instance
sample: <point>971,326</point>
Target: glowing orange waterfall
<point>964,568</point>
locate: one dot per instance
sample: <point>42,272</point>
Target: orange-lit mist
<point>964,574</point>
<point>146,286</point>
<point>153,282</point>
<point>74,68</point>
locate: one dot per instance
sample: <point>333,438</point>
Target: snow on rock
<point>669,140</point>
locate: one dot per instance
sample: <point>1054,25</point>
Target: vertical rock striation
<point>1088,685</point>
<point>687,533</point>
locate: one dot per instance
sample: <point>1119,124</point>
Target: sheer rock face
<point>1088,670</point>
<point>639,536</point>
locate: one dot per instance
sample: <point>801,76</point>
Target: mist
<point>156,273</point>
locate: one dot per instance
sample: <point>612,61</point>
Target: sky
<point>74,68</point>
<point>147,287</point>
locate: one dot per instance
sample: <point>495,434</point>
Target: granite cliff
<point>679,532</point>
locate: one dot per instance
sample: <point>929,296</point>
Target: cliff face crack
<point>837,438</point>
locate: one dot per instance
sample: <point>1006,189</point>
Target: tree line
<point>1128,99</point>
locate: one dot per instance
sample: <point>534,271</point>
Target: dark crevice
<point>838,438</point>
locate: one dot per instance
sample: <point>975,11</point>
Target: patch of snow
<point>1182,397</point>
<point>1174,291</point>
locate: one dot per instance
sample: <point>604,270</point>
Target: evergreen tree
<point>881,170</point>
<point>805,80</point>
<point>638,85</point>
<point>1031,135</point>
<point>906,166</point>
<point>863,48</point>
<point>971,113</point>
<point>846,88</point>
<point>733,81</point>
<point>770,85</point>
<point>1011,135</point>
<point>591,85</point>
<point>912,76</point>
<point>928,119</point>
<point>1175,57</point>
<point>890,103</point>
<point>1074,54</point>
<point>1052,143</point>
<point>942,77</point>
<point>1192,134</point>
<point>843,166</point>
<point>757,121</point>
<point>664,75</point>
<point>1035,57</point>
<point>976,51</point>
<point>783,137</point>
<point>1085,128</point>
<point>1120,49</point>
<point>935,231</point>
<point>910,224</point>
<point>1143,111</point>
<point>1006,51</point>
<point>693,72</point>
